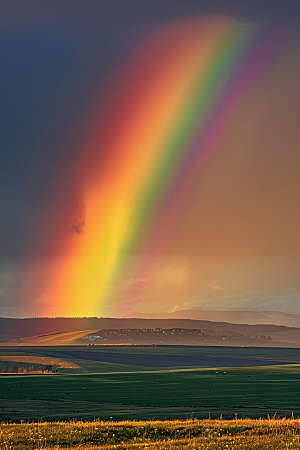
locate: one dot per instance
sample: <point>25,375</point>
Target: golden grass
<point>259,434</point>
<point>67,338</point>
<point>41,360</point>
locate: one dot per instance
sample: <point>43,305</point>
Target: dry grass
<point>46,360</point>
<point>273,434</point>
<point>67,338</point>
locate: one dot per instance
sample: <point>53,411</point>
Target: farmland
<point>125,383</point>
<point>99,358</point>
<point>155,397</point>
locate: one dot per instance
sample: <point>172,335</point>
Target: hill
<point>241,317</point>
<point>74,331</point>
<point>51,339</point>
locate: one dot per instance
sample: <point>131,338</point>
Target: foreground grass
<point>190,434</point>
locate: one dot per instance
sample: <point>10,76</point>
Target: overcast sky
<point>244,251</point>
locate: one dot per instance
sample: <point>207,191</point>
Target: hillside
<point>143,331</point>
<point>241,317</point>
<point>68,338</point>
<point>19,328</point>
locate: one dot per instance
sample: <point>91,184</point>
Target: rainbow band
<point>166,112</point>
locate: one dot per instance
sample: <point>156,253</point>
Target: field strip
<point>70,365</point>
<point>41,360</point>
<point>195,369</point>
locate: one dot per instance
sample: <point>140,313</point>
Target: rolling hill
<point>77,331</point>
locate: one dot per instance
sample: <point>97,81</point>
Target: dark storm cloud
<point>48,76</point>
<point>78,13</point>
<point>78,227</point>
<point>55,54</point>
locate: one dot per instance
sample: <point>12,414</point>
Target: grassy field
<point>190,435</point>
<point>250,392</point>
<point>89,389</point>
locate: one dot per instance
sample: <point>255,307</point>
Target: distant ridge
<point>241,317</point>
<point>21,328</point>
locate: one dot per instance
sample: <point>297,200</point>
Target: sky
<point>149,157</point>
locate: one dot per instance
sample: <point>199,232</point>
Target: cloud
<point>216,287</point>
<point>175,275</point>
<point>44,300</point>
<point>136,283</point>
<point>14,288</point>
<point>78,13</point>
<point>10,296</point>
<point>288,303</point>
<point>78,227</point>
<point>10,275</point>
<point>17,293</point>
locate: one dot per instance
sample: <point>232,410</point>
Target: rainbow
<point>114,205</point>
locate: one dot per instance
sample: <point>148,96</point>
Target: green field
<point>104,390</point>
<point>250,392</point>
